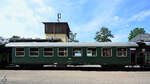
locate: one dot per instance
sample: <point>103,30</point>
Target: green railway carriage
<point>75,53</point>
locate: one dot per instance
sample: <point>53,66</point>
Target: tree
<point>135,32</point>
<point>72,37</point>
<point>103,35</point>
<point>15,36</point>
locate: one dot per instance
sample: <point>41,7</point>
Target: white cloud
<point>102,16</point>
<point>140,16</point>
<point>120,36</point>
<point>17,18</point>
<point>23,18</point>
<point>38,1</point>
<point>116,18</point>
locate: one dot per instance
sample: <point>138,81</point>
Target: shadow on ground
<point>78,69</point>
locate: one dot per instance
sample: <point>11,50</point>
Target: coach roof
<point>72,44</point>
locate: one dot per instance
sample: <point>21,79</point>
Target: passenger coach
<point>74,53</point>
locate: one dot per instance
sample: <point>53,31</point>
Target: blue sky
<point>24,17</point>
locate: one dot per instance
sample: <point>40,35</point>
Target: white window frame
<point>48,51</point>
<point>20,55</point>
<point>117,52</point>
<point>66,52</point>
<point>33,55</point>
<point>87,52</point>
<point>102,52</point>
<point>81,52</point>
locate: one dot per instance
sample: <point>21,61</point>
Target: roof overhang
<point>147,43</point>
<point>72,44</point>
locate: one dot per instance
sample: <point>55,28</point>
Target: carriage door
<point>133,55</point>
<point>147,58</point>
<point>141,56</point>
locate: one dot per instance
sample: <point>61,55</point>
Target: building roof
<point>141,37</point>
<point>3,41</point>
<point>72,44</point>
<point>147,43</point>
<point>34,40</point>
<point>57,28</point>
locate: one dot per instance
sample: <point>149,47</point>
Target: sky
<point>85,17</point>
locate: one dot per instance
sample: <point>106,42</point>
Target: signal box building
<point>141,37</point>
<point>57,30</point>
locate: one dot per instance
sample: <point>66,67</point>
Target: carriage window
<point>48,52</point>
<point>106,52</point>
<point>34,52</point>
<point>77,52</point>
<point>20,52</point>
<point>62,52</point>
<point>91,52</point>
<point>121,52</point>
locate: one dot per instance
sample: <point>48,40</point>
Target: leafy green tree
<point>135,32</point>
<point>103,35</point>
<point>72,37</point>
<point>15,36</point>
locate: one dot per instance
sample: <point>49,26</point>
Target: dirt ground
<point>73,77</point>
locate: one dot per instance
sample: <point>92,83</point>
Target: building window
<point>121,52</point>
<point>34,52</point>
<point>106,52</point>
<point>62,52</point>
<point>77,52</point>
<point>20,52</point>
<point>48,52</point>
<point>91,52</point>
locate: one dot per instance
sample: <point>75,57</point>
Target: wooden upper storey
<point>57,28</point>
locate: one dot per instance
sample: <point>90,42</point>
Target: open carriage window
<point>106,52</point>
<point>48,52</point>
<point>121,52</point>
<point>20,52</point>
<point>77,52</point>
<point>34,52</point>
<point>62,52</point>
<point>91,52</point>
